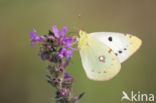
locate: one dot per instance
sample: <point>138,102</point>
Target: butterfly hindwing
<point>123,45</point>
<point>99,61</point>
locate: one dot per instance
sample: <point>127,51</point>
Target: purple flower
<point>66,53</point>
<point>62,37</point>
<point>65,92</point>
<point>56,32</point>
<point>63,32</point>
<point>34,37</point>
<point>66,41</point>
<point>67,76</point>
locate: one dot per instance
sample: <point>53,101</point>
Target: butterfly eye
<point>110,38</point>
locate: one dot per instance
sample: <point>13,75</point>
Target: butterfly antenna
<point>81,23</point>
<point>76,28</point>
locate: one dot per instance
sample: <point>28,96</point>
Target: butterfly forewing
<point>123,45</point>
<point>134,42</point>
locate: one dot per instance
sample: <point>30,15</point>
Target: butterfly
<point>103,52</point>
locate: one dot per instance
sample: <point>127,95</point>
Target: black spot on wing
<point>120,51</point>
<point>116,54</point>
<point>110,38</point>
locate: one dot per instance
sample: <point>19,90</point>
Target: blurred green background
<point>22,71</point>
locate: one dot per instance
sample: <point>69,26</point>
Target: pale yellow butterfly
<point>102,52</point>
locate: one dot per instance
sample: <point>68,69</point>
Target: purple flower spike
<point>56,48</point>
<point>67,76</point>
<point>34,37</point>
<point>63,32</point>
<point>56,32</point>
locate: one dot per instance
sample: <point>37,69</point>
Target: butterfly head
<point>83,42</point>
<point>82,33</point>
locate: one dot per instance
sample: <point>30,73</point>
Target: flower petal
<point>64,30</point>
<point>67,76</point>
<point>67,40</point>
<point>33,44</point>
<point>34,37</point>
<point>56,31</point>
<point>68,53</point>
<point>67,46</point>
<point>34,30</point>
<point>61,55</point>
